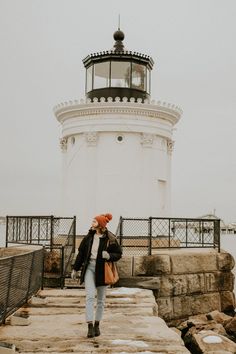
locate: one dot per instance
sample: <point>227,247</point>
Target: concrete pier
<point>57,325</point>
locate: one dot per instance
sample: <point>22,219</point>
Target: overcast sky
<point>192,43</point>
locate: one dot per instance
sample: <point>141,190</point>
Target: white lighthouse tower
<point>117,143</point>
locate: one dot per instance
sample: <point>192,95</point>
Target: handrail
<point>21,277</point>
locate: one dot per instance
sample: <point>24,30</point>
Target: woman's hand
<point>105,255</point>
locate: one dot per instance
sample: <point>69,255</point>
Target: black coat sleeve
<point>114,251</point>
<point>80,258</point>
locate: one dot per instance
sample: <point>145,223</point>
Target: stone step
<point>57,325</point>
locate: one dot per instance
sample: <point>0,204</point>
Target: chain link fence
<point>20,278</point>
<point>145,236</point>
<point>56,234</point>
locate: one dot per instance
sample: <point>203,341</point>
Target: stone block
<point>181,306</point>
<point>193,263</point>
<point>227,302</point>
<point>152,283</point>
<point>38,300</point>
<point>205,303</point>
<point>185,306</point>
<point>151,265</point>
<point>225,280</point>
<point>210,342</point>
<point>125,267</point>
<point>225,261</point>
<point>165,308</point>
<point>19,319</point>
<point>184,284</point>
<point>161,264</point>
<point>142,266</point>
<point>7,348</point>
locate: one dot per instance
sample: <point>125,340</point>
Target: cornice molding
<point>155,109</point>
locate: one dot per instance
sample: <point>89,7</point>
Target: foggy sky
<point>192,43</point>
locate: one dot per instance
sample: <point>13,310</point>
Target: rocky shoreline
<point>214,332</point>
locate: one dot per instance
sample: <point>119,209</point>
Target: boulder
<point>207,341</point>
<point>231,326</point>
<point>219,317</point>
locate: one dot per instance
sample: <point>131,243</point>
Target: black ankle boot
<point>96,329</point>
<point>90,330</point>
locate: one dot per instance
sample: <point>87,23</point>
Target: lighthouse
<point>117,142</point>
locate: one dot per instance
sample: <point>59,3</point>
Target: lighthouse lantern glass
<point>148,75</point>
<point>89,79</point>
<point>120,74</point>
<point>101,75</point>
<point>138,76</point>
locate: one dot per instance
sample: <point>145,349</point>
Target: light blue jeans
<point>91,288</point>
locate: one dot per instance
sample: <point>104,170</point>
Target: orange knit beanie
<point>103,219</point>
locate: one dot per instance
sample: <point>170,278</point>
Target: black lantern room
<point>118,73</point>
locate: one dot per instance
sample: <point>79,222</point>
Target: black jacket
<point>83,256</point>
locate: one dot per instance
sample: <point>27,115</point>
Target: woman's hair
<point>102,229</point>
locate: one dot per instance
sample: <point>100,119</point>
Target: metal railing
<point>56,234</point>
<point>146,235</point>
<point>20,278</point>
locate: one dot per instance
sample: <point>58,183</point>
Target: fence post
<point>8,290</point>
<point>74,234</point>
<point>150,235</point>
<point>169,233</point>
<point>31,229</point>
<point>186,233</point>
<point>62,267</point>
<point>30,274</point>
<point>7,220</point>
<point>217,233</point>
<point>43,260</point>
<point>121,231</point>
<point>51,231</point>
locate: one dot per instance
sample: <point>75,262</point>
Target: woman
<point>99,246</point>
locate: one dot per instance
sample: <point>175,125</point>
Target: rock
<point>219,317</point>
<point>210,325</point>
<point>231,326</point>
<point>225,261</point>
<point>210,342</point>
<point>227,302</point>
<point>7,348</point>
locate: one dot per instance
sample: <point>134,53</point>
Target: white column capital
<point>63,144</point>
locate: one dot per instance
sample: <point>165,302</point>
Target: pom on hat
<point>103,219</point>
